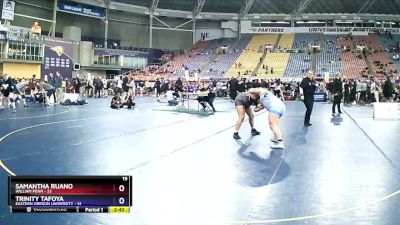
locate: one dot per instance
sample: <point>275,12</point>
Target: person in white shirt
<point>374,91</point>
<point>105,90</point>
<point>119,85</point>
<point>132,87</point>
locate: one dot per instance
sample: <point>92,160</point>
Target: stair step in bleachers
<point>277,61</point>
<point>250,57</point>
<point>286,41</point>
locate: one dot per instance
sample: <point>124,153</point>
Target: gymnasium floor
<point>187,169</point>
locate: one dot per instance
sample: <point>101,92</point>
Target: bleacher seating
<point>338,54</point>
<point>352,62</point>
<point>198,61</point>
<point>385,64</point>
<point>391,43</point>
<point>277,61</point>
<point>286,41</point>
<point>298,64</point>
<point>224,61</point>
<point>380,60</point>
<point>251,55</point>
<point>303,41</point>
<point>328,60</point>
<point>176,64</point>
<point>371,41</point>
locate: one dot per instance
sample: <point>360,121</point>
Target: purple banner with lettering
<point>118,52</point>
<point>57,57</point>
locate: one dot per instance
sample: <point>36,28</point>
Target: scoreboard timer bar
<point>109,209</point>
<point>90,194</point>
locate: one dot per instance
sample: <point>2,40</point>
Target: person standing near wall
<point>307,90</point>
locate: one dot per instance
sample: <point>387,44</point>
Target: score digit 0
<point>121,188</point>
<point>121,201</point>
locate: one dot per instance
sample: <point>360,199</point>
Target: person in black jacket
<point>337,92</point>
<point>307,90</point>
<point>157,86</point>
<point>388,90</point>
<point>179,85</point>
<point>242,86</point>
<point>98,85</point>
<point>347,90</point>
<point>233,88</point>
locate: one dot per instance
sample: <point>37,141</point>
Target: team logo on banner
<point>58,49</point>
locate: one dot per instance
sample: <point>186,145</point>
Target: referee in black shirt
<point>307,90</point>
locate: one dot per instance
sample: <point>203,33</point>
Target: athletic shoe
<point>14,111</point>
<point>333,114</point>
<point>236,136</point>
<point>307,124</point>
<point>273,140</point>
<point>26,106</point>
<point>277,145</point>
<point>255,132</point>
<point>340,112</point>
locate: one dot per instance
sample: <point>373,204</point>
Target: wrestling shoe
<point>273,140</point>
<point>277,145</point>
<point>255,132</point>
<point>236,136</point>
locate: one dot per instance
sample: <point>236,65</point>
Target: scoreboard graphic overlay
<point>70,194</point>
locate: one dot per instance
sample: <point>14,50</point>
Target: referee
<point>307,90</point>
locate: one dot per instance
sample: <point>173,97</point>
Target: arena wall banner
<point>205,34</point>
<point>57,57</point>
<point>328,30</point>
<point>157,56</point>
<point>118,52</point>
<point>82,9</point>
